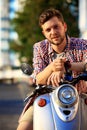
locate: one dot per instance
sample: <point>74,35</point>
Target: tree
<point>26,23</point>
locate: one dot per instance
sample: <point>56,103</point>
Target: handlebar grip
<point>67,65</point>
<point>68,74</point>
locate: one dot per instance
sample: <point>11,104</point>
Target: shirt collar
<point>50,49</point>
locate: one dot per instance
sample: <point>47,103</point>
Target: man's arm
<point>56,65</point>
<point>43,76</point>
<point>78,66</point>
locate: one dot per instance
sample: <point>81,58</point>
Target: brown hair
<point>48,14</point>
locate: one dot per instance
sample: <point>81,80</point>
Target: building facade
<point>82,22</point>
<point>4,32</point>
<point>7,12</point>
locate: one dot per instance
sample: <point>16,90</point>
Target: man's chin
<point>55,43</point>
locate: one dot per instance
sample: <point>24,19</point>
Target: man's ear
<point>42,32</point>
<point>65,26</point>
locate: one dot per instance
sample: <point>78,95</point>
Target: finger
<point>63,59</point>
<point>59,67</point>
<point>59,79</point>
<point>49,81</point>
<point>54,81</point>
<point>63,76</point>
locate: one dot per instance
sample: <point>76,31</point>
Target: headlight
<point>66,95</point>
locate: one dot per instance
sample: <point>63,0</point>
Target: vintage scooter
<point>57,108</point>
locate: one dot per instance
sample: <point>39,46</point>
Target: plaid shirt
<point>75,51</point>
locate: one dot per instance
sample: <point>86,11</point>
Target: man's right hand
<point>58,64</point>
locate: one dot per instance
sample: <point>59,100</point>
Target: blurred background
<point>19,30</point>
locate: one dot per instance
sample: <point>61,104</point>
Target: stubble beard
<point>59,42</point>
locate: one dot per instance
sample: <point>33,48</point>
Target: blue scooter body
<point>51,116</point>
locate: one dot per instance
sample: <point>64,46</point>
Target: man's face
<point>54,30</point>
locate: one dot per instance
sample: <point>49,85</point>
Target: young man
<point>51,54</point>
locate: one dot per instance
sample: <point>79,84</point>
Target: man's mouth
<point>54,38</point>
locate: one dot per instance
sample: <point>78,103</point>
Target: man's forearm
<point>56,65</point>
<point>42,77</point>
<point>77,66</point>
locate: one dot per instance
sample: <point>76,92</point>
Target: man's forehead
<point>51,22</point>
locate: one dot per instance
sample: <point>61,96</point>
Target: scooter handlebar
<point>27,69</point>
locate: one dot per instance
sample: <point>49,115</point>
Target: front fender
<point>43,119</point>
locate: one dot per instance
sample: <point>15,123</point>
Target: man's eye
<point>48,30</point>
<point>56,27</point>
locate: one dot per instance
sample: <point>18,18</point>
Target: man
<point>51,54</point>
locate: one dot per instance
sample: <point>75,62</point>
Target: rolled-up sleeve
<point>39,57</point>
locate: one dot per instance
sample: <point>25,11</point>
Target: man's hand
<point>58,64</point>
<point>55,78</point>
<point>58,72</point>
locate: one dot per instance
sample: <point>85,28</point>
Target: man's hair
<point>48,14</point>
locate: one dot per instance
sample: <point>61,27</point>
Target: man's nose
<point>52,31</point>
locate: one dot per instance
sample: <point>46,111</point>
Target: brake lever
<point>29,96</point>
<point>39,90</point>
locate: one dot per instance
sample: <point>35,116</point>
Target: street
<point>11,103</point>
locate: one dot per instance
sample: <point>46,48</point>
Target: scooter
<point>57,108</point>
